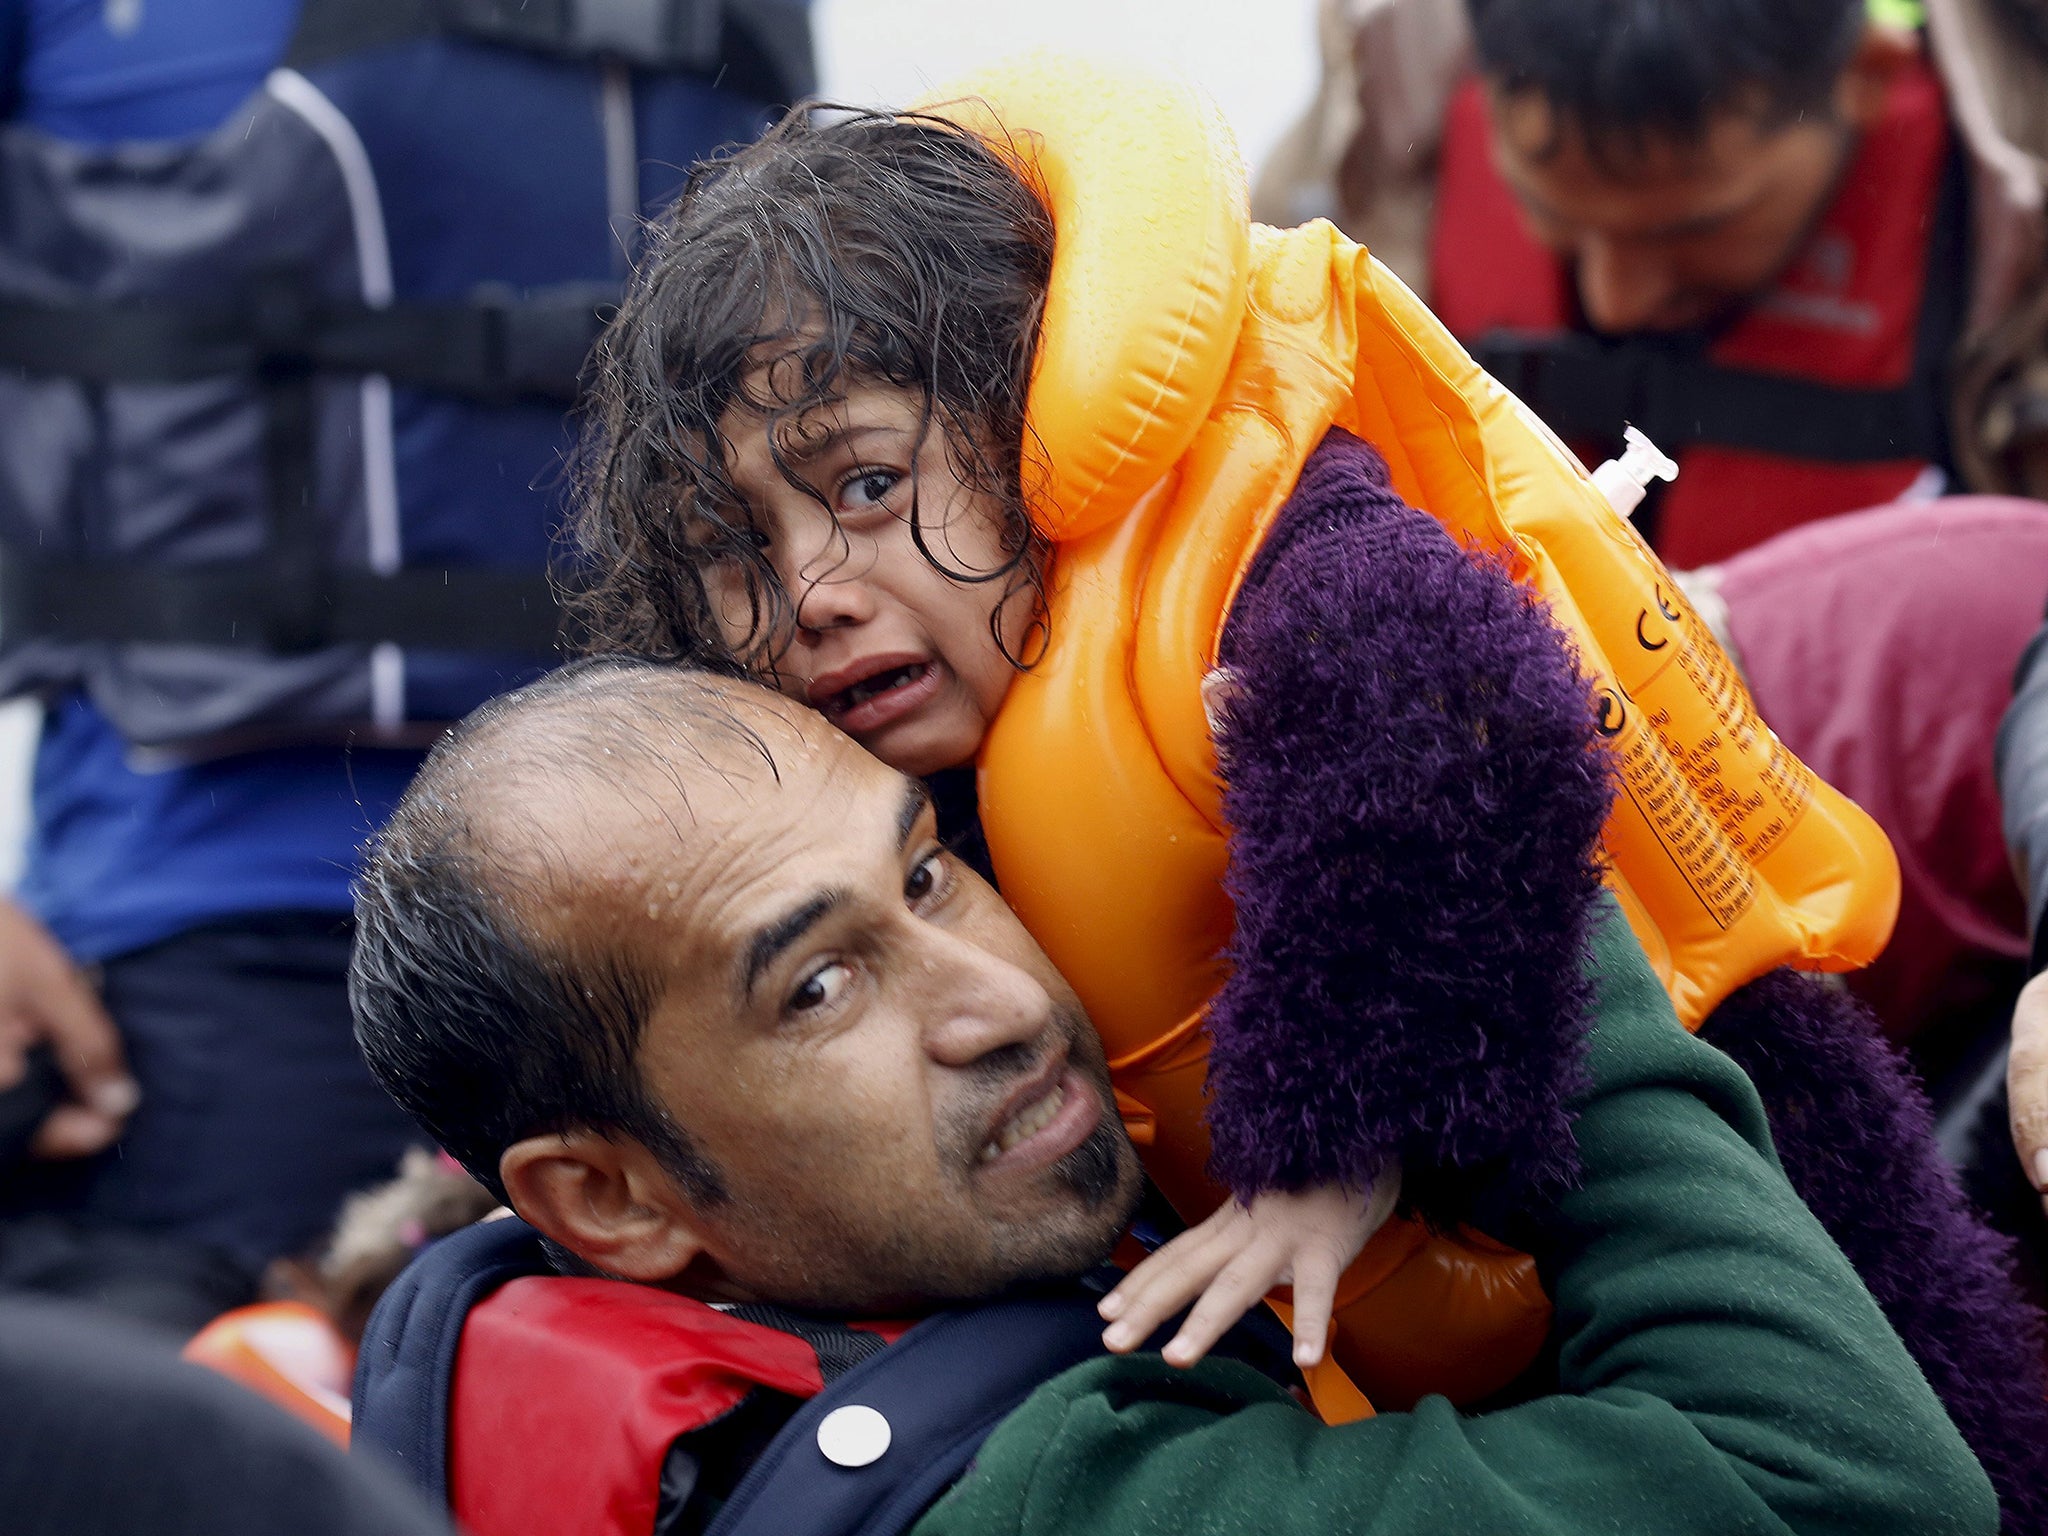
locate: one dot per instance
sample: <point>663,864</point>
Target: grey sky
<point>1257,57</point>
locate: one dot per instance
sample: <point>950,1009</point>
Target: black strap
<point>838,1348</point>
<point>497,347</point>
<point>758,48</point>
<point>274,606</point>
<point>292,600</point>
<point>1587,387</point>
<point>943,1387</point>
<point>651,34</point>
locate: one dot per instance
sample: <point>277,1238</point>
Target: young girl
<point>811,454</point>
<point>832,491</point>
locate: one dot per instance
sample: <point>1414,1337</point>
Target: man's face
<point>1663,235</point>
<point>902,1097</point>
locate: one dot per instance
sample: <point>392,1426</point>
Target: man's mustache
<point>997,1075</point>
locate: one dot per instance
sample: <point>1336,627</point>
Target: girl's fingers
<point>1166,1261</point>
<point>1315,1295</point>
<point>1166,1282</point>
<point>1230,1295</point>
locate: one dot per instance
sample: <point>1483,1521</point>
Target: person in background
<point>293,297</point>
<point>108,1434</point>
<point>2023,785</point>
<point>1941,598</point>
<point>1797,242</point>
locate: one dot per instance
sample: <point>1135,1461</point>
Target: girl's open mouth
<point>881,699</point>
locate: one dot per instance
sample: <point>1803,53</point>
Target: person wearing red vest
<point>674,966</point>
<point>1776,235</point>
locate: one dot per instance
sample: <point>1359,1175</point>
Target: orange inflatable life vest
<point>1844,359</point>
<point>287,1352</point>
<point>1188,364</point>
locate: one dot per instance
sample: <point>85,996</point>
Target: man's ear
<point>611,1203</point>
<point>1880,58</point>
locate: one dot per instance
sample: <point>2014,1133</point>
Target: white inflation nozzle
<point>1626,480</point>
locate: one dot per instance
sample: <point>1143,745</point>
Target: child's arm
<point>1243,1250</point>
<point>1415,794</point>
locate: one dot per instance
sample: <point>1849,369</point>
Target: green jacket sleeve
<point>1721,1368</point>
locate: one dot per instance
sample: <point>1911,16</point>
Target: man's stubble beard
<point>836,1265</point>
<point>1102,1172</point>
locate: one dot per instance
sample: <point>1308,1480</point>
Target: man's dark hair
<point>483,1035</point>
<point>854,247</point>
<point>1624,70</point>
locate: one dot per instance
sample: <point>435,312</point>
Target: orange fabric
<point>1098,784</point>
<point>1846,312</point>
<point>288,1352</point>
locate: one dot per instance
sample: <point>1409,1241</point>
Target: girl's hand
<point>1238,1255</point>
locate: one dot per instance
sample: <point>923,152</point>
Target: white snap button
<point>853,1436</point>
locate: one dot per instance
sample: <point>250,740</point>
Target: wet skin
<point>1665,235</point>
<point>899,654</point>
<point>902,1099</point>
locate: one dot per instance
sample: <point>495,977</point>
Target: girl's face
<point>891,649</point>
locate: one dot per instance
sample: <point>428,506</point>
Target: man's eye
<point>928,878</point>
<point>869,488</point>
<point>822,988</point>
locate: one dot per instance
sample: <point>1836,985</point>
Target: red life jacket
<point>543,1359</point>
<point>1823,397</point>
<point>530,1402</point>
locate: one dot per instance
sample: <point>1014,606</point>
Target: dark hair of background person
<point>1622,71</point>
<point>853,247</point>
<point>481,1034</point>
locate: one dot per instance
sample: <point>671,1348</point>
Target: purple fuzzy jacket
<point>1414,800</point>
<point>1415,793</point>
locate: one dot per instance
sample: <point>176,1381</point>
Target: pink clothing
<point>1880,646</point>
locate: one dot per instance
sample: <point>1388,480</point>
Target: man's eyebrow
<point>916,801</point>
<point>771,941</point>
<point>1693,224</point>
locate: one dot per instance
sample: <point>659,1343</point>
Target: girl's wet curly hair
<point>841,247</point>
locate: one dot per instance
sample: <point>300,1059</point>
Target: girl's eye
<point>821,989</point>
<point>869,488</point>
<point>926,880</point>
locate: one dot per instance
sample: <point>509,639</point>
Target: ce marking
<point>1664,607</point>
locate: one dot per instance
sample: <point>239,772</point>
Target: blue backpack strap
<point>405,1370</point>
<point>942,1388</point>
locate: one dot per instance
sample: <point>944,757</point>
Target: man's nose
<point>1623,288</point>
<point>983,1003</point>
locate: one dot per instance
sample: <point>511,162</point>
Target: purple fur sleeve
<point>1414,795</point>
<point>1855,1135</point>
